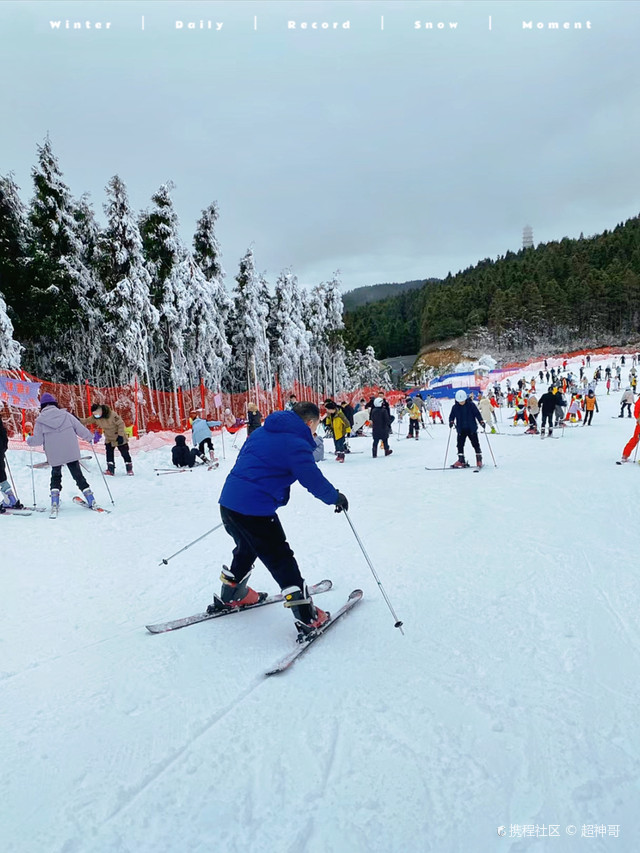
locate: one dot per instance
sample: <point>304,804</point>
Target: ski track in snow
<point>511,699</point>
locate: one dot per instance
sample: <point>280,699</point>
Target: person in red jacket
<point>633,441</point>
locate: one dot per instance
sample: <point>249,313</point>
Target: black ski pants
<point>111,451</point>
<point>260,536</point>
<point>588,417</point>
<point>547,418</point>
<point>206,442</point>
<point>472,435</point>
<point>376,440</point>
<point>414,425</point>
<point>628,405</point>
<point>76,473</point>
<point>532,420</point>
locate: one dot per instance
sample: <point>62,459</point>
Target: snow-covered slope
<point>510,701</point>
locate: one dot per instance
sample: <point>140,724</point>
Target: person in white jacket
<point>627,400</point>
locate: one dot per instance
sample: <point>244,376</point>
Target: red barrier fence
<point>149,410</point>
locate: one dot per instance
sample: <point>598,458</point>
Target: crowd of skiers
<point>286,447</point>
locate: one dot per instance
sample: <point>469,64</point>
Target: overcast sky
<point>382,150</point>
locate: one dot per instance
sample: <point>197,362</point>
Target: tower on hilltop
<point>527,237</point>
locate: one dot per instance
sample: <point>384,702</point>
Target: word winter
<point>199,25</point>
<point>324,25</point>
<point>80,25</point>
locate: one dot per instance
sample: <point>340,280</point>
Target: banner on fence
<point>18,393</point>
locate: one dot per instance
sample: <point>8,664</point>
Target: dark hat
<point>46,399</point>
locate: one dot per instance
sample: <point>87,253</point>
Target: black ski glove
<point>120,440</point>
<point>450,424</point>
<point>341,503</point>
<point>482,424</point>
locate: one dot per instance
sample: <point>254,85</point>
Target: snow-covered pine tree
<point>249,340</point>
<point>291,345</point>
<point>206,249</point>
<point>327,349</point>
<point>9,348</point>
<point>164,253</point>
<point>216,301</point>
<point>13,247</point>
<point>130,318</point>
<point>370,371</point>
<point>62,286</point>
<point>204,338</point>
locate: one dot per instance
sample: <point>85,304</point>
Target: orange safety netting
<point>148,410</point>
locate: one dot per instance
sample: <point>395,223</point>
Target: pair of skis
<point>210,466</point>
<point>305,641</point>
<point>24,511</point>
<point>55,508</point>
<point>451,468</point>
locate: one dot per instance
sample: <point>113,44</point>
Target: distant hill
<point>551,297</point>
<point>375,292</point>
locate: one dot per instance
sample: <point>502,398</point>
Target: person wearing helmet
<point>466,416</point>
<point>381,426</point>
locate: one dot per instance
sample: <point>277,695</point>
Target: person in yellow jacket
<point>337,421</point>
<point>115,435</point>
<point>414,418</point>
<point>590,405</point>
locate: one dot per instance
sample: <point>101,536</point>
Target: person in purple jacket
<point>57,431</point>
<point>272,458</point>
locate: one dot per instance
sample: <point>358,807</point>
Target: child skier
<point>254,418</point>
<point>626,402</point>
<point>183,456</point>
<point>435,410</point>
<point>533,408</point>
<point>520,410</point>
<point>414,419</point>
<point>57,431</point>
<point>466,415</point>
<point>339,427</point>
<point>112,426</point>
<point>202,437</point>
<point>486,410</point>
<point>7,496</point>
<point>573,412</point>
<point>270,461</point>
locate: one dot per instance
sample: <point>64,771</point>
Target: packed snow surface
<point>511,700</point>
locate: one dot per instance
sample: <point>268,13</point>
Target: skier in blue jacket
<point>271,459</point>
<point>466,417</point>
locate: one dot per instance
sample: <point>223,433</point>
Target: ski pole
<point>398,623</point>
<point>33,479</point>
<point>102,472</point>
<point>165,561</point>
<point>490,450</point>
<point>12,480</point>
<point>446,453</point>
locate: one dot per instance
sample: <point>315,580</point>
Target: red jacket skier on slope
<point>633,441</point>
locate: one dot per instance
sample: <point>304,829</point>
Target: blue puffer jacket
<point>466,417</point>
<point>271,459</point>
<point>199,431</point>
